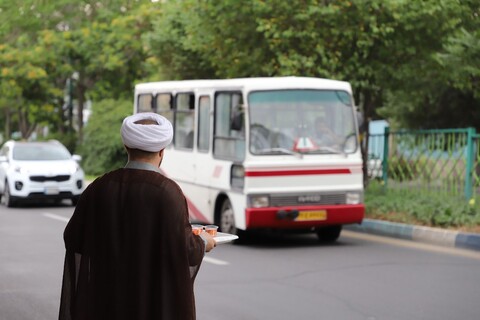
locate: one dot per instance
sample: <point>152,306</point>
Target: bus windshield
<point>300,121</point>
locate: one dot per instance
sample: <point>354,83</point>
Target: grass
<point>421,208</point>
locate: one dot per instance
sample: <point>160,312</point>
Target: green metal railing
<point>427,161</point>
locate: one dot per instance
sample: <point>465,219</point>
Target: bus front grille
<point>284,200</point>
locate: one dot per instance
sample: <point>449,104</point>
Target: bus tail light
<point>237,176</point>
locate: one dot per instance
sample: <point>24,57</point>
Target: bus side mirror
<point>237,120</point>
<point>351,143</point>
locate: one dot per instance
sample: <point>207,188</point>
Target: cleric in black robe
<point>130,250</point>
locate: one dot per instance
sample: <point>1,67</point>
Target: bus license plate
<point>312,215</point>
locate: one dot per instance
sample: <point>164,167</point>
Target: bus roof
<point>248,84</point>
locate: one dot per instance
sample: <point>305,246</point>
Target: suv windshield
<point>35,152</point>
<point>300,121</point>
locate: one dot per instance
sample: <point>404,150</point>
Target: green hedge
<point>436,210</point>
<point>102,149</point>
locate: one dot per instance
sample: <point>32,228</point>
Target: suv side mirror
<point>77,158</point>
<point>3,159</point>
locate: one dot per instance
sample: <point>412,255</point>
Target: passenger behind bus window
<point>324,135</point>
<point>189,140</point>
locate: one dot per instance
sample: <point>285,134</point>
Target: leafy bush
<point>421,208</point>
<point>68,139</point>
<point>102,149</point>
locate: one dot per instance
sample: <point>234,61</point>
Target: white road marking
<point>56,217</point>
<point>215,261</point>
<point>412,244</point>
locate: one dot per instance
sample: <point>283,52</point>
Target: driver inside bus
<point>324,135</point>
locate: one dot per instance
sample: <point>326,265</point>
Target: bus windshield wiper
<point>327,149</point>
<point>279,151</point>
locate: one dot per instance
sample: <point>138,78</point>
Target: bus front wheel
<point>328,234</point>
<point>227,218</point>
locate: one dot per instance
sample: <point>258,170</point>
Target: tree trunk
<point>367,112</point>
<point>8,123</point>
<point>26,128</point>
<point>22,123</point>
<point>81,101</point>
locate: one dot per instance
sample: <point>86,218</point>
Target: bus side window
<point>144,103</point>
<point>184,120</point>
<point>228,142</point>
<point>203,134</point>
<point>164,106</point>
<point>163,103</point>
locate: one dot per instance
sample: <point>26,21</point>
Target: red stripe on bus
<point>296,172</point>
<point>195,213</point>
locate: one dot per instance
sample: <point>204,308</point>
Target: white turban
<point>145,137</point>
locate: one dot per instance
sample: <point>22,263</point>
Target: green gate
<point>427,161</point>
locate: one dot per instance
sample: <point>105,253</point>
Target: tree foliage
<point>415,63</point>
<point>443,90</point>
<point>27,94</point>
<point>367,42</point>
<point>96,45</point>
<point>102,149</point>
<point>378,46</point>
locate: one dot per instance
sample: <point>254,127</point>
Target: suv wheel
<point>7,198</point>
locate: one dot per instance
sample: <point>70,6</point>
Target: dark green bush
<point>102,149</point>
<point>68,139</point>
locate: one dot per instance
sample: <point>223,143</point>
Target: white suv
<point>39,170</point>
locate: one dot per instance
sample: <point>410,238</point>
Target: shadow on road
<point>41,204</point>
<point>272,240</point>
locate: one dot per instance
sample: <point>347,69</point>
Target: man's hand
<point>211,243</point>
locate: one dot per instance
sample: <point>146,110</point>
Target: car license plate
<point>51,190</point>
<point>312,215</point>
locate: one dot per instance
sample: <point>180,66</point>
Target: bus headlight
<point>353,198</point>
<point>237,176</point>
<point>259,201</point>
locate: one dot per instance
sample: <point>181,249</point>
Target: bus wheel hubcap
<point>227,222</point>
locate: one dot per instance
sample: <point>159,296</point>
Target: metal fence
<point>427,161</point>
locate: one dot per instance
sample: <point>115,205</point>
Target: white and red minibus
<point>276,153</point>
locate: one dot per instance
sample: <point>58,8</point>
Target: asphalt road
<point>266,277</point>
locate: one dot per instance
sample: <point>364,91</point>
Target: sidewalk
<point>436,236</point>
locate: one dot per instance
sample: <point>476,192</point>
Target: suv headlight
<point>76,168</point>
<point>20,170</point>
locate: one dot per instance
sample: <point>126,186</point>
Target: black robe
<point>130,251</point>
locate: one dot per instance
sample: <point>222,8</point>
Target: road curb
<point>448,238</point>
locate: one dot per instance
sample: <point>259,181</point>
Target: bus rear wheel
<point>227,218</point>
<point>328,234</point>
